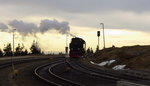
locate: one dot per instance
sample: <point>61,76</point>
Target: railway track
<point>8,77</point>
<point>110,74</point>
<point>59,77</point>
<point>19,61</point>
<point>76,64</point>
<point>45,73</point>
<point>59,73</point>
<point>69,72</point>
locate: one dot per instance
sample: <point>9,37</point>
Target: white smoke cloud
<point>3,27</point>
<point>24,28</point>
<point>61,27</point>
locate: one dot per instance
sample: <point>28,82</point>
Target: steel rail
<point>99,74</point>
<point>61,78</point>
<point>41,77</point>
<point>20,61</point>
<point>108,73</point>
<point>93,73</point>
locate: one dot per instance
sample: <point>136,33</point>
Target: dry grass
<point>135,57</point>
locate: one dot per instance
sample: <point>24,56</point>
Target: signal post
<point>98,35</point>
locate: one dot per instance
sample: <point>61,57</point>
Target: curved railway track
<point>59,73</point>
<point>44,73</point>
<point>20,61</point>
<point>76,64</point>
<point>59,77</point>
<point>110,74</point>
<point>71,72</point>
<point>9,77</point>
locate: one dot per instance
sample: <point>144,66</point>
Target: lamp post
<point>66,49</point>
<point>13,69</point>
<point>103,33</point>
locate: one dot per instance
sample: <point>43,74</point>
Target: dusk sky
<point>127,22</point>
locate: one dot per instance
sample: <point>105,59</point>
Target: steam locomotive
<point>77,47</point>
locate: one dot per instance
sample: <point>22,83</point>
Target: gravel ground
<point>4,77</point>
<point>25,75</point>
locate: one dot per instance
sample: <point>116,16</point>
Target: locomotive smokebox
<point>77,47</point>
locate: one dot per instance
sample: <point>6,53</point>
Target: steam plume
<point>25,28</point>
<point>61,27</point>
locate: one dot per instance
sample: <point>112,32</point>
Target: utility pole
<point>103,33</point>
<point>13,68</point>
<point>98,35</point>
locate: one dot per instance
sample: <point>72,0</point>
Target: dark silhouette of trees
<point>35,49</point>
<point>25,52</point>
<point>97,48</point>
<point>89,51</point>
<point>20,51</point>
<point>92,51</point>
<point>8,50</point>
<point>1,53</point>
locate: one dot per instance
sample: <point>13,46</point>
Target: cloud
<point>121,14</point>
<point>81,6</point>
<point>3,27</point>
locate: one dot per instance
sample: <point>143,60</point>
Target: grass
<point>135,57</point>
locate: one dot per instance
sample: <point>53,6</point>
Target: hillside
<point>134,57</point>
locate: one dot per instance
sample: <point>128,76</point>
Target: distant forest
<point>20,50</point>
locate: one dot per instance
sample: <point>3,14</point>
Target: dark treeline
<point>20,50</point>
<point>89,51</point>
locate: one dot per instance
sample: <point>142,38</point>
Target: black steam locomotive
<point>77,47</point>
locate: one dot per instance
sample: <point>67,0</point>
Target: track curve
<point>44,73</point>
<point>62,74</point>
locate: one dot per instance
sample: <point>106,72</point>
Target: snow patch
<point>92,62</point>
<point>106,63</point>
<point>111,61</point>
<point>103,63</point>
<point>119,67</point>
